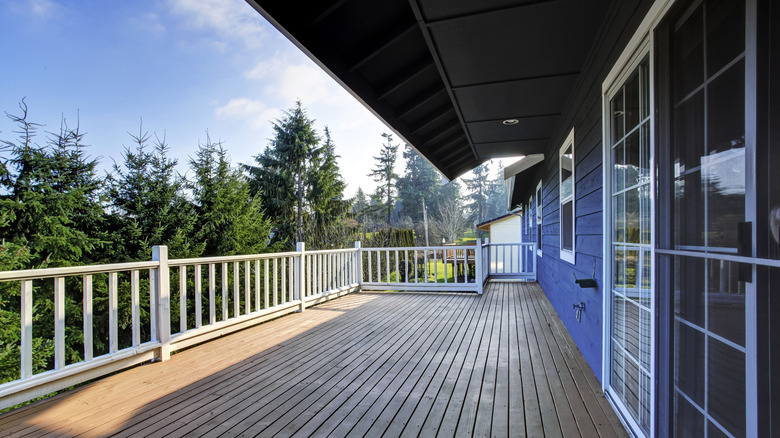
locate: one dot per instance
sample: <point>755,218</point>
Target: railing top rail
<point>228,259</point>
<point>34,274</point>
<point>333,251</point>
<point>511,244</point>
<point>421,248</point>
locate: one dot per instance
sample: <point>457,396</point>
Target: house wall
<point>584,114</point>
<point>506,231</point>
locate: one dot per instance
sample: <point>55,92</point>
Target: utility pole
<point>425,221</point>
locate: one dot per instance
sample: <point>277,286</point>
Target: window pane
<point>632,101</point>
<point>689,289</point>
<point>632,216</point>
<point>726,386</point>
<point>689,362</point>
<point>618,168</point>
<point>632,159</point>
<point>725,33</point>
<point>726,301</point>
<point>689,207</point>
<point>688,134</point>
<point>645,214</point>
<point>617,117</point>
<point>726,110</point>
<point>618,218</point>
<point>688,56</point>
<point>688,421</point>
<point>724,180</point>
<point>567,228</point>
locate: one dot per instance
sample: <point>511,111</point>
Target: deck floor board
<point>367,364</point>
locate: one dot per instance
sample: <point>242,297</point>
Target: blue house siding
<point>584,114</point>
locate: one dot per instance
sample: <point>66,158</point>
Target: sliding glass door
<point>630,271</point>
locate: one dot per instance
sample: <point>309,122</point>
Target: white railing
<point>510,260</point>
<point>137,319</point>
<point>441,268</point>
<point>137,312</point>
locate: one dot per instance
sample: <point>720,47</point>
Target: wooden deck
<point>368,364</point>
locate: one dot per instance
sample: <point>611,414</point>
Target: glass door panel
<point>708,182</point>
<point>631,298</point>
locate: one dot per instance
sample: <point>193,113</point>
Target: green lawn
<point>439,271</point>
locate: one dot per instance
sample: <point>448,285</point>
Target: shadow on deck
<point>368,364</point>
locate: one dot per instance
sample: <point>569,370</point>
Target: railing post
<point>359,264</point>
<point>299,275</point>
<point>162,302</point>
<point>478,265</point>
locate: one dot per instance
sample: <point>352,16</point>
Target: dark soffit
<point>444,74</point>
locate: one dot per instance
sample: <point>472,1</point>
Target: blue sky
<point>184,66</point>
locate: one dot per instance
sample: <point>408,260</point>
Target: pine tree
<point>478,187</point>
<point>229,220</point>
<point>281,174</point>
<point>420,183</point>
<point>148,206</point>
<point>385,176</point>
<point>497,204</point>
<point>328,223</point>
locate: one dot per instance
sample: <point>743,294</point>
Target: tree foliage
<point>385,176</point>
<point>229,220</point>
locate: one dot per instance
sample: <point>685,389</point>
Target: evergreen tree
<point>420,183</point>
<point>328,225</point>
<point>229,220</point>
<point>50,202</point>
<point>385,176</point>
<point>49,216</point>
<point>478,188</point>
<point>497,204</point>
<point>148,206</point>
<point>281,174</point>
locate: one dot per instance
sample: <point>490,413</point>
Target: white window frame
<point>538,195</point>
<point>566,254</point>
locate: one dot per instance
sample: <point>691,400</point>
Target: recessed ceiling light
<point>510,122</point>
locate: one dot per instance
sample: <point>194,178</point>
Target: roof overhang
<point>461,81</point>
<point>518,177</point>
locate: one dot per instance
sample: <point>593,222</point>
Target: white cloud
<point>231,20</point>
<point>254,112</point>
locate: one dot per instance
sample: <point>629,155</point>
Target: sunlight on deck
<point>365,364</point>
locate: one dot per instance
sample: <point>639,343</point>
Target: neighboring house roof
<point>460,81</point>
<point>485,226</point>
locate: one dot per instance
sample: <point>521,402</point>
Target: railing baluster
<point>435,268</point>
<point>113,315</point>
<point>257,285</point>
<point>284,279</point>
<point>59,322</point>
<point>152,313</point>
<point>466,263</point>
<point>135,303</point>
<point>247,297</point>
<point>182,299</point>
<point>266,291</point>
<point>370,267</point>
<point>276,284</point>
<point>27,332</point>
<point>236,287</point>
<point>198,298</point>
<point>291,279</point>
<point>225,291</point>
<point>444,258</point>
<point>212,293</point>
<point>87,317</point>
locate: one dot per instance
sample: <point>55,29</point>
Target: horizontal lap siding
<point>584,114</point>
